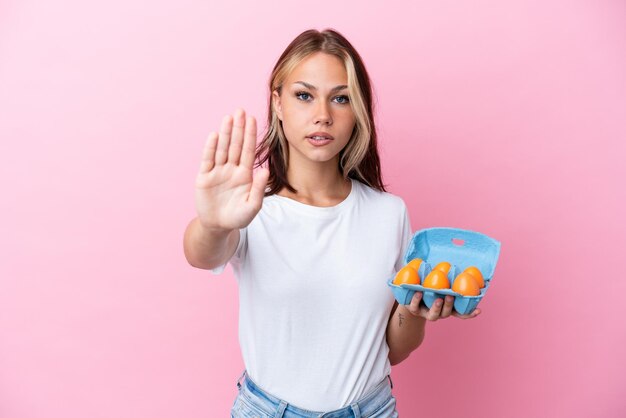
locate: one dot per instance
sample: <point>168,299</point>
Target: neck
<point>317,184</point>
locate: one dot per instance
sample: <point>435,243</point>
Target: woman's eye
<point>302,95</point>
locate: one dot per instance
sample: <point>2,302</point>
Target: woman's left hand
<point>438,310</point>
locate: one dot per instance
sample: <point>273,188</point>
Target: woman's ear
<point>278,108</point>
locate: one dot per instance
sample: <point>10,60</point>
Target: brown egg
<point>473,270</point>
<point>466,285</point>
<point>437,279</point>
<point>406,275</point>
<point>443,266</point>
<point>415,263</point>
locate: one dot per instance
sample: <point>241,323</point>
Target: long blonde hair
<point>359,159</point>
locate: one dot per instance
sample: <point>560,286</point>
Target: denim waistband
<point>367,405</point>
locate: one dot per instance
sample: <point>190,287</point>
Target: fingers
<point>236,142</point>
<point>448,306</point>
<point>414,306</point>
<point>221,154</point>
<point>440,309</point>
<point>208,153</point>
<point>435,310</point>
<point>259,181</point>
<point>471,315</point>
<point>249,143</point>
<point>236,138</point>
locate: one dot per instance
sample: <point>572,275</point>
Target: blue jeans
<point>253,402</point>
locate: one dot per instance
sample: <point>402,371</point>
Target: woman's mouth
<point>319,138</point>
<point>318,141</point>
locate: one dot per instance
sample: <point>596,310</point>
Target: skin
<point>314,98</point>
<point>229,195</point>
<point>407,323</point>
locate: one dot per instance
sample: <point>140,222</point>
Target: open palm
<point>228,195</point>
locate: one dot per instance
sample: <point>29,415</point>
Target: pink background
<point>502,117</point>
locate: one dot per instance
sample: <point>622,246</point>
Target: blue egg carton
<point>459,247</point>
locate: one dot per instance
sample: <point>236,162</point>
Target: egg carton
<point>461,248</point>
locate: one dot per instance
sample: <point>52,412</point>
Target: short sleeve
<point>238,255</point>
<point>406,234</point>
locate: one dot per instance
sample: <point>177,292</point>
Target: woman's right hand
<point>228,196</point>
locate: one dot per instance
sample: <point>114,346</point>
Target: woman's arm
<point>405,332</point>
<point>407,324</point>
<point>205,248</point>
<point>228,195</point>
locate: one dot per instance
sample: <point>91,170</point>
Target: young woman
<point>312,237</point>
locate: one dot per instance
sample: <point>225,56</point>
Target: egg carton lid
<point>460,247</point>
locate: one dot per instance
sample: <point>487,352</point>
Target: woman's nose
<point>322,114</point>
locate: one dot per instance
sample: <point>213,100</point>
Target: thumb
<point>259,181</point>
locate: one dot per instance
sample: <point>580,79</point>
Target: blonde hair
<point>359,159</point>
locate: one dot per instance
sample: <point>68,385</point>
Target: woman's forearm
<point>207,249</point>
<point>405,332</point>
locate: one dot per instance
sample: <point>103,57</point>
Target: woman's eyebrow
<point>312,87</point>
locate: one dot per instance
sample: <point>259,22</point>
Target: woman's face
<point>315,110</point>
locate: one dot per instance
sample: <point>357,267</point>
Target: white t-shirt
<point>313,298</point>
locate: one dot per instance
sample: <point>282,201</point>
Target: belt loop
<point>281,409</point>
<point>356,410</point>
<point>239,380</point>
<point>390,381</point>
